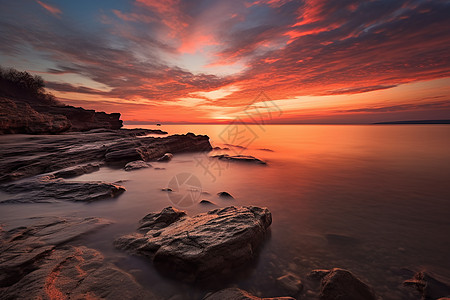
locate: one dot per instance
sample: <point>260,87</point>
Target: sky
<point>215,61</point>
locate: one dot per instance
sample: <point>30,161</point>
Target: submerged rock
<point>166,157</point>
<point>206,203</point>
<point>428,286</point>
<point>291,283</point>
<point>238,294</point>
<point>339,284</point>
<point>225,195</point>
<point>49,189</point>
<point>36,263</point>
<point>135,165</point>
<point>240,158</point>
<point>199,247</point>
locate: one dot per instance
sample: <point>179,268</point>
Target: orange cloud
<point>52,9</point>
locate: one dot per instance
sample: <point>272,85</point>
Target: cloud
<point>171,52</point>
<point>52,9</point>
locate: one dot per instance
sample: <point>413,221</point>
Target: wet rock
<point>77,171</point>
<point>129,154</point>
<point>21,246</point>
<point>240,158</point>
<point>201,247</point>
<point>206,203</point>
<point>166,157</point>
<point>318,274</point>
<point>340,284</point>
<point>23,156</point>
<point>136,165</point>
<point>291,283</point>
<point>238,294</point>
<point>167,190</point>
<point>162,219</point>
<point>225,195</point>
<point>74,273</point>
<point>37,263</point>
<point>49,189</point>
<point>428,286</point>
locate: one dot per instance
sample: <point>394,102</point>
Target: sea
<point>373,199</point>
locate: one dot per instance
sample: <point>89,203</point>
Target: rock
<point>49,189</point>
<point>236,146</point>
<point>37,263</point>
<point>225,195</point>
<point>167,190</point>
<point>135,165</point>
<point>428,286</point>
<point>265,149</point>
<point>151,148</point>
<point>202,247</point>
<point>291,283</point>
<point>125,155</point>
<point>318,274</point>
<point>340,284</point>
<point>22,246</point>
<point>166,157</point>
<point>240,158</point>
<point>73,273</point>
<point>206,203</point>
<point>238,294</point>
<point>20,117</point>
<point>25,156</point>
<point>162,219</point>
<point>77,171</point>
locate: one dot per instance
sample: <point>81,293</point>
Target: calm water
<point>371,199</point>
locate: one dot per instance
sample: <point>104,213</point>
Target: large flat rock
<point>200,247</point>
<point>24,156</point>
<point>49,189</point>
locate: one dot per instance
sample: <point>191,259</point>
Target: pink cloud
<point>52,9</point>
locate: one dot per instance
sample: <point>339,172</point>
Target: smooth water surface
<point>371,199</point>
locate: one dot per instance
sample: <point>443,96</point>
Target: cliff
<point>25,107</point>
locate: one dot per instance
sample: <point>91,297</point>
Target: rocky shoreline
<point>38,258</point>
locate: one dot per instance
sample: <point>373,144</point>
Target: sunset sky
<point>336,61</point>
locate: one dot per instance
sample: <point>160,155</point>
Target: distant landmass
<point>417,122</point>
